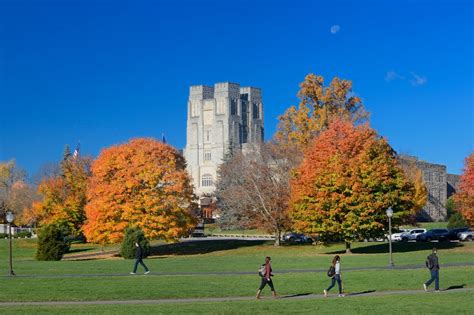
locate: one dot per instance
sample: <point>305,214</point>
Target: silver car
<point>411,235</point>
<point>466,236</point>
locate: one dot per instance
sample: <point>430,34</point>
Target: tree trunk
<point>348,248</point>
<point>277,237</point>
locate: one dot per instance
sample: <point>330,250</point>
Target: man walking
<point>139,260</point>
<point>433,265</point>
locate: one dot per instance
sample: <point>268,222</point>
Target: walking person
<point>335,273</point>
<point>266,273</point>
<point>139,259</point>
<point>432,264</point>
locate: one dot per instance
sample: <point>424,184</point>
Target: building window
<point>207,136</point>
<point>233,107</point>
<point>207,180</point>
<point>256,111</point>
<point>207,156</point>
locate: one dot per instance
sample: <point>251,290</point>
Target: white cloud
<point>418,80</point>
<point>335,29</point>
<point>392,75</point>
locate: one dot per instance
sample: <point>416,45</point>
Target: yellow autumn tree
<point>318,105</point>
<point>144,184</point>
<point>63,197</point>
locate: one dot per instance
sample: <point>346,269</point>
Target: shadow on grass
<point>295,295</point>
<point>78,250</point>
<point>455,287</point>
<point>202,247</point>
<point>400,247</point>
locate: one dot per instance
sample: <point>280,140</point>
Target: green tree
<point>52,242</point>
<point>128,247</point>
<point>456,220</point>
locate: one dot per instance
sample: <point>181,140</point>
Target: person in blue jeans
<point>432,264</point>
<point>336,263</point>
<point>139,260</point>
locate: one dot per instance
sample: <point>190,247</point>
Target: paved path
<point>233,273</point>
<point>304,296</point>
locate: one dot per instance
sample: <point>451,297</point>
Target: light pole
<point>10,218</point>
<point>389,215</point>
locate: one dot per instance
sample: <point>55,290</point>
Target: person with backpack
<point>139,260</point>
<point>265,272</point>
<point>335,273</point>
<point>432,264</point>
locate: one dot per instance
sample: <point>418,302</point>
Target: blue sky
<point>102,72</point>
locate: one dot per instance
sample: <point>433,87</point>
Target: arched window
<point>207,180</point>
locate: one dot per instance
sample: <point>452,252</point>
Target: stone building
<point>440,186</point>
<point>220,118</point>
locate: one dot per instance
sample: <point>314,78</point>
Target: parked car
<point>453,233</point>
<point>198,231</point>
<point>467,236</point>
<point>412,234</point>
<point>297,238</point>
<point>433,234</point>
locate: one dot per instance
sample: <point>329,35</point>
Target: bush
<point>3,235</point>
<point>52,243</point>
<point>456,220</point>
<point>128,248</point>
<point>23,234</point>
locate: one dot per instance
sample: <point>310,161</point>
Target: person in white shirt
<point>336,264</point>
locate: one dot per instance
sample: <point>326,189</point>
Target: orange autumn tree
<point>143,184</point>
<point>464,199</point>
<point>346,182</point>
<point>63,197</point>
<point>318,105</point>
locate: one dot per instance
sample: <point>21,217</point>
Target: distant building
<point>220,118</point>
<point>440,186</point>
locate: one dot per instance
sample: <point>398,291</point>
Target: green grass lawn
<point>56,284</point>
<point>443,303</point>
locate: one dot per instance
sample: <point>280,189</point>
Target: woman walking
<point>335,270</point>
<point>266,275</point>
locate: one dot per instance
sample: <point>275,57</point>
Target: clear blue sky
<point>102,72</point>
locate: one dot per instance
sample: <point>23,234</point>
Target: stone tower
<point>220,118</point>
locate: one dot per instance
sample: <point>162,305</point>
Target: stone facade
<point>220,118</point>
<point>440,186</point>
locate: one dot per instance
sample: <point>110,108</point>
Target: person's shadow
<point>296,295</point>
<point>455,287</point>
<point>361,293</point>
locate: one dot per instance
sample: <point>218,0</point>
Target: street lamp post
<point>10,218</point>
<point>389,215</point>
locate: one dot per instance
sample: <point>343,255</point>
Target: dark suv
<point>433,234</point>
<point>453,233</point>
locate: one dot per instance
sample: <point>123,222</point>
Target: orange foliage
<point>464,199</point>
<point>347,180</point>
<point>142,183</point>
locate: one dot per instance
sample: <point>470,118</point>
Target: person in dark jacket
<point>432,264</point>
<point>139,260</point>
<point>267,278</point>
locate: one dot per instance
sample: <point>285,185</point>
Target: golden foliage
<point>318,106</point>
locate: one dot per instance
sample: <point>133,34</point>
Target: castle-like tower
<point>220,118</point>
